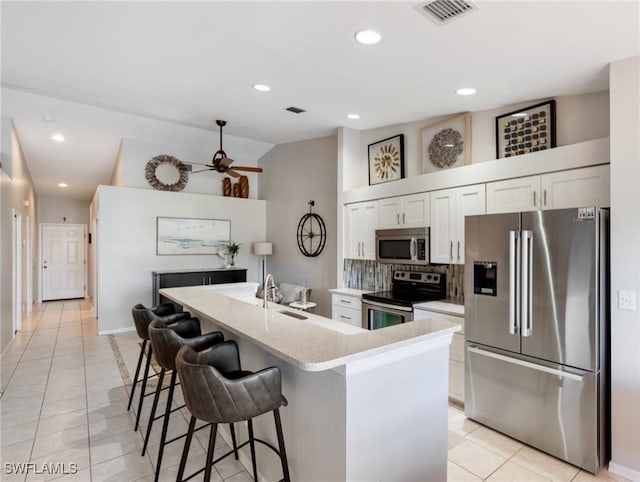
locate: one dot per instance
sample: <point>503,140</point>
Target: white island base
<point>363,406</point>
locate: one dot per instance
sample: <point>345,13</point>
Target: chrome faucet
<point>265,293</point>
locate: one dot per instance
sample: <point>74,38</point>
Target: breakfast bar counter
<point>363,405</point>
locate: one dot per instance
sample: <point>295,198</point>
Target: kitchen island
<point>363,405</point>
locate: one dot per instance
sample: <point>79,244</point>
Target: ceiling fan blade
<point>202,170</point>
<point>233,173</point>
<point>197,163</point>
<point>225,161</point>
<point>248,169</point>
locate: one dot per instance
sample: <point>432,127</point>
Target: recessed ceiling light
<point>58,137</point>
<point>353,116</point>
<point>466,91</point>
<point>368,37</point>
<point>62,184</point>
<point>262,87</point>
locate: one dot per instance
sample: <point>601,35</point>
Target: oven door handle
<point>387,306</point>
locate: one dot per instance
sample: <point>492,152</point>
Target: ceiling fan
<point>221,163</point>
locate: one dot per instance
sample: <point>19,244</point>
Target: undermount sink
<point>293,314</point>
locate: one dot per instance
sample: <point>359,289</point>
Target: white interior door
<point>17,271</point>
<point>63,261</point>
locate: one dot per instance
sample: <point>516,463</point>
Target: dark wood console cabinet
<point>193,277</point>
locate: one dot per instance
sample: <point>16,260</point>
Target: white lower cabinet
<point>346,309</point>
<point>456,353</point>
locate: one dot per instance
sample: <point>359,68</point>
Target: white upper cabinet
<point>448,209</point>
<point>360,223</point>
<point>588,186</point>
<point>514,195</point>
<point>404,211</point>
<point>576,188</point>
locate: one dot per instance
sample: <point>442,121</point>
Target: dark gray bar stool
<point>216,390</point>
<point>142,316</point>
<point>166,343</point>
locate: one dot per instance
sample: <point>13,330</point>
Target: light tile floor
<point>64,401</point>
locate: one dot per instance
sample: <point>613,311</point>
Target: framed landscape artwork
<point>177,236</point>
<point>446,143</point>
<point>386,160</point>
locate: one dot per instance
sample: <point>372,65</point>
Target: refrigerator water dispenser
<point>485,278</point>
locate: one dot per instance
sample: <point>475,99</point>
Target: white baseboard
<point>116,330</point>
<point>633,475</point>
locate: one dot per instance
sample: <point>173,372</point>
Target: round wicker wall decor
<point>162,159</point>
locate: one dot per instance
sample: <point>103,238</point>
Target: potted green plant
<point>232,249</point>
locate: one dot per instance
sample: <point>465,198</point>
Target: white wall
<point>625,265</point>
<point>136,153</point>
<point>294,174</point>
<point>126,243</point>
<point>578,118</point>
<point>14,191</point>
<point>54,210</point>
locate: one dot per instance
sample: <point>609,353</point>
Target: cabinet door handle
<point>344,317</point>
<point>398,217</point>
<point>345,301</point>
<point>403,222</point>
<point>544,200</point>
<point>534,199</point>
<point>450,249</point>
<point>458,250</point>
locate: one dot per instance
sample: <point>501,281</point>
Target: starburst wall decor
<point>386,160</point>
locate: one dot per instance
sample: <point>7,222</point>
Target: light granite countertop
<point>446,307</point>
<point>349,292</point>
<point>312,344</point>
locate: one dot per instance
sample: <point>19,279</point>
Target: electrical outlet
<point>626,300</point>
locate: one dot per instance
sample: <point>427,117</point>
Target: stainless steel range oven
<point>388,308</point>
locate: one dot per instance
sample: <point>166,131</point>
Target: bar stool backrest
<point>211,396</point>
<point>166,342</point>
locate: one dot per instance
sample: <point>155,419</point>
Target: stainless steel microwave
<point>403,246</point>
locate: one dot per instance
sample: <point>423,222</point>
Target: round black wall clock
<point>312,233</point>
<point>181,174</point>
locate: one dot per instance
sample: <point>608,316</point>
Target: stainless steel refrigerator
<point>536,329</point>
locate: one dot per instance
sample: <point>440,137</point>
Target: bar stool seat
<point>216,390</point>
<point>142,317</point>
<point>166,343</point>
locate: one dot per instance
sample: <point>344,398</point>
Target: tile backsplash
<point>371,275</point>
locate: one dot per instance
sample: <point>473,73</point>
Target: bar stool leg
<point>283,452</point>
<point>252,444</point>
<point>165,423</point>
<point>154,407</point>
<point>233,439</point>
<point>185,450</point>
<point>135,377</point>
<point>144,386</point>
<point>212,443</point>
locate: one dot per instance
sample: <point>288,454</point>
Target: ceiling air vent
<point>295,110</point>
<point>444,11</point>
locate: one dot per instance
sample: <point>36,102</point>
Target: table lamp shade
<point>263,248</point>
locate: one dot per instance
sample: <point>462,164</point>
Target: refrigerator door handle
<point>522,363</point>
<point>514,283</point>
<point>527,284</point>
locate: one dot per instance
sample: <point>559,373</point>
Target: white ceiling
<point>193,62</point>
